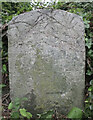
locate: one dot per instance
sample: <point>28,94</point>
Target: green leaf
<point>86,101</point>
<point>88,43</point>
<point>75,113</point>
<point>91,107</point>
<point>10,106</point>
<point>89,72</point>
<point>90,89</point>
<point>4,68</point>
<point>90,52</point>
<point>91,82</point>
<point>29,115</point>
<point>2,85</point>
<point>23,112</point>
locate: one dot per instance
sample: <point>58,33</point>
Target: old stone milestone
<point>46,52</point>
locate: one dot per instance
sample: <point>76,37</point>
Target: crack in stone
<point>51,17</point>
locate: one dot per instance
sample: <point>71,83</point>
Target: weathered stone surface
<point>47,59</point>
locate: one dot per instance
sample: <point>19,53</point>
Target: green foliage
<point>17,111</point>
<point>46,115</point>
<point>10,106</point>
<point>89,72</point>
<point>24,113</point>
<point>89,43</point>
<point>10,9</point>
<point>89,102</point>
<point>14,107</point>
<point>4,68</point>
<point>2,85</point>
<point>75,113</point>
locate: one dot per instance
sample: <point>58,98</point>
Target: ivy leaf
<point>91,82</point>
<point>10,106</point>
<point>86,101</point>
<point>90,53</point>
<point>91,107</point>
<point>23,112</point>
<point>88,43</point>
<point>4,68</point>
<point>29,115</point>
<point>89,72</point>
<point>2,85</point>
<point>90,89</point>
<point>75,113</point>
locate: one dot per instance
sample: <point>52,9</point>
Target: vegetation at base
<point>84,9</point>
<point>19,113</point>
<point>16,111</point>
